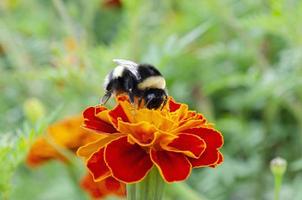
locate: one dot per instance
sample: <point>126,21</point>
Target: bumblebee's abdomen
<point>150,78</point>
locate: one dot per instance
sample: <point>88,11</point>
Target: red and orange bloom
<point>69,135</point>
<point>173,139</point>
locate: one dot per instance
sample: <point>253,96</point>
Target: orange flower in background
<point>69,135</point>
<point>66,134</point>
<point>173,139</point>
<point>103,188</point>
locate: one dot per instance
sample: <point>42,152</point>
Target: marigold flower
<point>66,134</point>
<point>69,134</point>
<point>108,186</point>
<point>173,139</point>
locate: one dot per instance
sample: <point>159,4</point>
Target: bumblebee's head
<point>154,98</point>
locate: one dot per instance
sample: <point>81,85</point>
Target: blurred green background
<point>238,62</point>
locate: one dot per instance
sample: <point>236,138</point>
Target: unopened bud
<point>278,166</point>
<point>33,109</point>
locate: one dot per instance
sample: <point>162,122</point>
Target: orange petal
<point>192,115</point>
<point>91,121</point>
<point>97,166</point>
<point>104,116</point>
<point>172,166</point>
<point>128,163</point>
<point>68,133</point>
<point>40,152</point>
<point>63,135</point>
<point>142,133</point>
<point>188,144</point>
<point>154,117</point>
<point>188,125</point>
<point>164,137</point>
<point>181,113</point>
<point>88,149</point>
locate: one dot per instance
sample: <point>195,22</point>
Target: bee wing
<point>132,66</point>
<point>124,62</point>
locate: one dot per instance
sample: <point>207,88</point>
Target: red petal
<point>190,145</point>
<point>118,113</point>
<point>208,157</point>
<point>173,106</point>
<point>212,137</point>
<point>91,187</point>
<point>128,163</point>
<point>172,166</point>
<point>112,184</point>
<point>97,166</point>
<point>100,189</point>
<point>219,161</point>
<point>91,121</point>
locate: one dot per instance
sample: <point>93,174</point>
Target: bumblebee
<point>142,81</point>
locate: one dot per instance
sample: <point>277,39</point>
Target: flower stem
<point>151,188</point>
<point>278,182</point>
<point>183,191</point>
<point>131,192</point>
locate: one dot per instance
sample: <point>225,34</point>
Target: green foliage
<point>238,62</point>
<point>13,147</point>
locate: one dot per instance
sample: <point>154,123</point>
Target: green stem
<point>151,188</point>
<point>278,182</point>
<point>131,192</point>
<point>183,191</point>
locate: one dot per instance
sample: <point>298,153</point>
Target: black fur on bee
<point>142,81</point>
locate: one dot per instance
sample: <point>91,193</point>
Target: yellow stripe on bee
<point>153,82</point>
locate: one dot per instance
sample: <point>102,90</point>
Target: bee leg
<point>140,100</point>
<point>106,97</point>
<point>147,103</point>
<point>165,102</point>
<point>129,85</point>
<point>131,96</point>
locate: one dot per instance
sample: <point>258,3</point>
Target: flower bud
<point>33,109</point>
<point>278,166</point>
